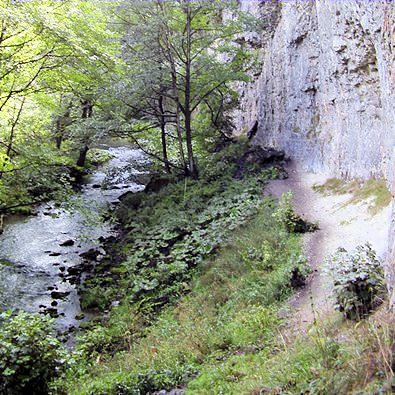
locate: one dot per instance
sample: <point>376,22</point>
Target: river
<point>35,266</point>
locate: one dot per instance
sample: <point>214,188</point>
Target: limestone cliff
<point>326,91</point>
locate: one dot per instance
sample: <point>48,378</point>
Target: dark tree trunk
<point>180,143</point>
<point>14,123</point>
<point>187,107</point>
<point>58,139</point>
<point>61,123</point>
<point>87,111</point>
<point>163,134</point>
<point>82,157</point>
<point>193,171</point>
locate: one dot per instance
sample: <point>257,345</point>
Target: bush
<point>30,355</point>
<point>358,281</point>
<point>286,216</point>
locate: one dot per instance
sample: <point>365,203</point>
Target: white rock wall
<point>326,90</point>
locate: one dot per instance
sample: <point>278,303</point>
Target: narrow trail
<point>341,224</point>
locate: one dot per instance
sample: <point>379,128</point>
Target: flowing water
<point>34,264</point>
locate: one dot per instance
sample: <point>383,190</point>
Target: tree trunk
<point>187,106</point>
<point>180,143</point>
<point>87,111</point>
<point>188,134</point>
<point>82,157</point>
<point>12,133</point>
<point>10,143</point>
<point>61,123</point>
<point>58,138</point>
<point>177,101</point>
<point>163,134</point>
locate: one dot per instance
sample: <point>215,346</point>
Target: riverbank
<point>201,267</point>
<point>193,296</point>
<point>224,324</point>
<point>47,253</point>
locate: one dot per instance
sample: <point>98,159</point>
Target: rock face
<point>390,263</point>
<point>326,91</point>
<point>325,94</point>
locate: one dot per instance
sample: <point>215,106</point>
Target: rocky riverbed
<point>44,256</point>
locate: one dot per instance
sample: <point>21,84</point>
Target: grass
<point>333,357</point>
<point>4,262</point>
<point>231,310</point>
<point>373,190</point>
<point>223,329</point>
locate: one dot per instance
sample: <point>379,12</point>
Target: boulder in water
<point>59,294</point>
<point>157,183</point>
<point>74,271</point>
<point>90,255</point>
<point>67,243</point>
<point>132,199</point>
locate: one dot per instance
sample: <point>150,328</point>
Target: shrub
<point>261,257</point>
<point>286,216</point>
<point>30,355</point>
<point>358,281</point>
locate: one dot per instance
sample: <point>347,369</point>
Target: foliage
<point>328,359</point>
<point>172,231</point>
<point>98,157</point>
<point>195,288</point>
<point>30,354</point>
<point>182,58</point>
<point>227,305</point>
<point>51,61</point>
<point>358,281</point>
<point>42,174</point>
<point>285,213</point>
<point>226,329</point>
<point>289,219</point>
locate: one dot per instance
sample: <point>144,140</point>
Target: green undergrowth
<point>332,357</point>
<point>97,157</point>
<point>374,190</point>
<point>172,231</point>
<point>46,174</point>
<point>231,309</point>
<point>203,269</point>
<point>202,277</point>
<point>231,335</point>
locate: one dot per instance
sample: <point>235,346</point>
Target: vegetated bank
<point>202,294</point>
<point>44,253</point>
<point>202,266</point>
<point>195,297</point>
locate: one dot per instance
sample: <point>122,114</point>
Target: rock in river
<point>59,294</point>
<point>67,243</point>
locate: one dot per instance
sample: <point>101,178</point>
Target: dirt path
<point>340,225</point>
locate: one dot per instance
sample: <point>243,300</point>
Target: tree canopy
<point>160,74</point>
